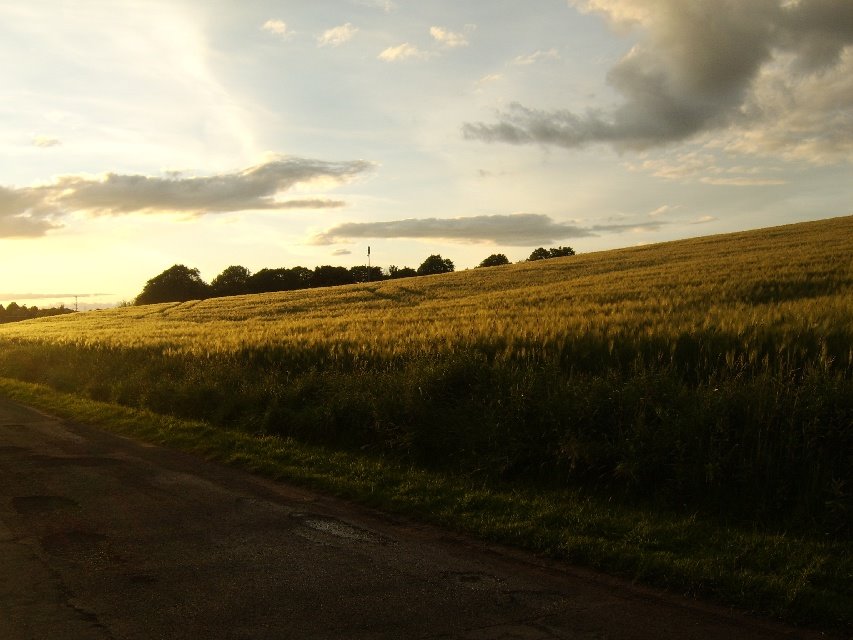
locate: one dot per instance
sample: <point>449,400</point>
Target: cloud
<point>742,181</point>
<point>276,27</point>
<point>711,66</point>
<point>520,229</point>
<point>536,56</point>
<point>488,79</point>
<point>23,215</point>
<point>337,36</point>
<point>341,252</point>
<point>662,210</point>
<point>404,51</point>
<point>707,168</point>
<point>704,220</point>
<point>46,141</point>
<point>448,38</point>
<point>24,227</point>
<point>31,211</point>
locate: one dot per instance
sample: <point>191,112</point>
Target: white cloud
<point>662,210</point>
<point>276,27</point>
<point>404,51</point>
<point>537,56</point>
<point>337,36</point>
<point>705,167</point>
<point>46,141</point>
<point>448,38</point>
<point>341,252</point>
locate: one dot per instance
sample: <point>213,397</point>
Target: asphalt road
<point>104,537</point>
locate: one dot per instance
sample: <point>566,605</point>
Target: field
<point>710,377</point>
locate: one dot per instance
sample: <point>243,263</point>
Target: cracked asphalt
<point>103,537</point>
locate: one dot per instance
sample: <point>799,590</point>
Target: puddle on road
<point>32,505</point>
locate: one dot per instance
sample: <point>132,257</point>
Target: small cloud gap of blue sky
<point>419,129</point>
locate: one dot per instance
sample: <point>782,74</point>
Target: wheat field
<point>714,372</point>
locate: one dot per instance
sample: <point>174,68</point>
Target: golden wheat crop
<point>789,279</point>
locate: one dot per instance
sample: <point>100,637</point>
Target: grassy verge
<point>796,578</point>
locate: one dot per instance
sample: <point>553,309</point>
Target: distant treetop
<point>435,264</point>
<point>555,252</point>
<point>494,260</point>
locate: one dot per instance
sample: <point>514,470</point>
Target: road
<point>103,537</point>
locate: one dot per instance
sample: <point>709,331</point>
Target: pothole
<point>338,529</point>
<point>31,505</point>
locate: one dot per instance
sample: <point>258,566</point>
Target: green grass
<point>795,578</point>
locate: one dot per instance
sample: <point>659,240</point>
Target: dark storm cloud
<point>693,70</point>
<point>520,229</point>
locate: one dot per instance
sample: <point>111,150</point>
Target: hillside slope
<point>713,373</point>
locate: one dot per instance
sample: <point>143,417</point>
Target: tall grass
<point>711,375</point>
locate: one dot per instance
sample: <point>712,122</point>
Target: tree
<point>329,276</point>
<point>268,280</point>
<point>178,283</point>
<point>395,272</point>
<point>435,264</point>
<point>539,254</point>
<point>494,260</point>
<point>233,281</point>
<point>362,273</point>
<point>554,252</point>
<point>560,252</point>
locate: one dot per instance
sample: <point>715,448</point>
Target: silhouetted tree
<point>15,313</point>
<point>178,283</point>
<point>560,252</point>
<point>395,272</point>
<point>233,281</point>
<point>329,276</point>
<point>268,280</point>
<point>360,273</point>
<point>554,252</point>
<point>435,264</point>
<point>494,260</point>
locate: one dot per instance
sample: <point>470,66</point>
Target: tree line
<point>180,283</point>
<point>15,313</point>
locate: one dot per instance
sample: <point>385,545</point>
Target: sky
<point>135,135</point>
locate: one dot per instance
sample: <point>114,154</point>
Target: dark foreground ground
<point>103,537</point>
